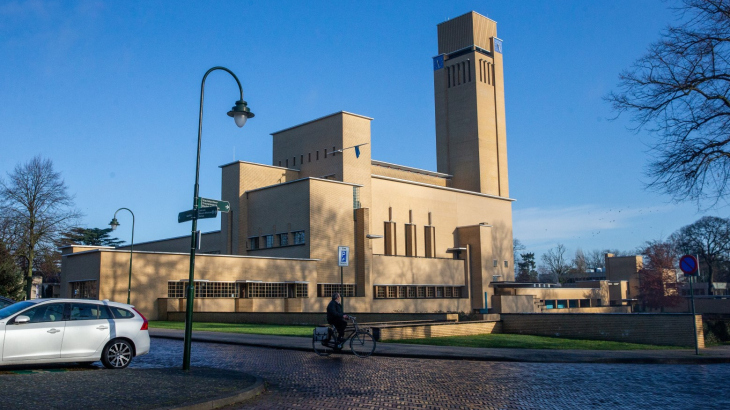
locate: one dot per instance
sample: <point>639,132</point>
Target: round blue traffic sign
<point>688,264</point>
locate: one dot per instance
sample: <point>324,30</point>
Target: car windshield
<point>14,308</point>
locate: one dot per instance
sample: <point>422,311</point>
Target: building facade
<point>420,241</point>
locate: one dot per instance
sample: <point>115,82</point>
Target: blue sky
<point>109,91</point>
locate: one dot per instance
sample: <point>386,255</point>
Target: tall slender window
<point>333,151</point>
<point>287,163</point>
<point>317,156</point>
<point>310,157</point>
<point>301,159</point>
<point>325,152</point>
<point>448,76</point>
<point>481,71</point>
<point>294,161</point>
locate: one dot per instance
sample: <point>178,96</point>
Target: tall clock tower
<point>471,137</point>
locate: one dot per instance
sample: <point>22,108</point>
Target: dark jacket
<point>334,312</point>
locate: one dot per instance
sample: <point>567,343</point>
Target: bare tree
<point>680,91</point>
<point>657,288</point>
<point>517,247</point>
<point>35,203</point>
<point>709,238</point>
<point>556,264</point>
<point>596,259</point>
<point>580,263</point>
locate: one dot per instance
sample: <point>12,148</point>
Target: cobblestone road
<point>300,380</point>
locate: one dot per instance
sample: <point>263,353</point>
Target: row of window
<point>570,303</point>
<point>325,290</point>
<point>486,72</point>
<point>459,73</point>
<point>57,312</point>
<point>209,289</point>
<point>282,239</point>
<point>416,292</point>
<point>301,158</point>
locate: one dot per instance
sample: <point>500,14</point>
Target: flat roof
<point>411,169</point>
<point>166,239</point>
<point>321,118</point>
<point>256,163</point>
<point>463,191</point>
<point>300,180</point>
<point>462,15</point>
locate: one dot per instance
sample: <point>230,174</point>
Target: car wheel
<point>117,354</point>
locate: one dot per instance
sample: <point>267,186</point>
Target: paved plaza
<point>302,380</point>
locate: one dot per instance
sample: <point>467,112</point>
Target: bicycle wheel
<point>320,349</point>
<point>362,344</point>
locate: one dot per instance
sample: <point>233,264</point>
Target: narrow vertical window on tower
<point>310,157</point>
<point>317,156</point>
<point>287,163</point>
<point>468,68</point>
<point>325,152</point>
<point>448,77</point>
<point>301,158</point>
<point>481,71</point>
<point>293,161</point>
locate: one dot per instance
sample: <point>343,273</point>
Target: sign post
<point>343,259</point>
<point>691,268</point>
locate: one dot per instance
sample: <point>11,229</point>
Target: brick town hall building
<point>421,241</point>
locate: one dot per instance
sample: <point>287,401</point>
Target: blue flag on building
<point>357,151</point>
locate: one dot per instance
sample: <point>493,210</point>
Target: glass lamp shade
<point>240,119</point>
<point>114,224</point>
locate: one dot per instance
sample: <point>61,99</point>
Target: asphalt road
<point>301,380</point>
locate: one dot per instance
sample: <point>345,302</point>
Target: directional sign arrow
<point>207,212</point>
<point>223,206</point>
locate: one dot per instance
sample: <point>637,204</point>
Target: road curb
<point>488,358</point>
<point>226,399</point>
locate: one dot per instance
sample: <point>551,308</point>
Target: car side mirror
<point>19,320</point>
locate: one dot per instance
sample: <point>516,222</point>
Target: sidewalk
<point>94,388</point>
<point>711,355</point>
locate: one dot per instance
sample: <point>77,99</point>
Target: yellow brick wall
<point>657,329</point>
<point>439,330</point>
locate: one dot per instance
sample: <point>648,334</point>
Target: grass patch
<point>529,342</point>
<point>256,329</point>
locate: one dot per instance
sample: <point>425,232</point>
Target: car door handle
<point>102,327</point>
<point>53,331</point>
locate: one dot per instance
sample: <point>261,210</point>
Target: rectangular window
<point>439,291</point>
<point>279,163</point>
<point>287,163</point>
<point>496,263</point>
<point>380,292</point>
<point>325,290</point>
<point>325,152</point>
<point>457,292</point>
<point>269,240</point>
<point>283,239</point>
<point>266,290</point>
<point>301,159</point>
<point>421,292</point>
<point>412,292</point>
<point>598,302</point>
<point>573,303</point>
<point>333,151</point>
<point>549,304</point>
<point>392,291</point>
<point>584,303</point>
<point>562,304</point>
<point>302,290</point>
<point>310,157</point>
<point>317,155</point>
<point>448,292</point>
<point>506,264</point>
<point>402,292</point>
<point>430,291</point>
<point>176,289</point>
<point>294,161</point>
<point>298,237</point>
<point>87,289</point>
<point>253,243</point>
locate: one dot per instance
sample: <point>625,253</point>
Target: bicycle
<point>362,343</point>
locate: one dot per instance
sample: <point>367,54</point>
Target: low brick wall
<point>313,319</point>
<point>440,329</point>
<point>602,309</point>
<point>658,329</point>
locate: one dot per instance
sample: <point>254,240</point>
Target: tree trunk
<point>29,277</point>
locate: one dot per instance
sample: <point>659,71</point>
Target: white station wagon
<point>72,330</point>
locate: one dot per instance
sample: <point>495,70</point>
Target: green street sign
<point>223,206</point>
<point>203,213</point>
<point>185,216</point>
<point>207,212</point>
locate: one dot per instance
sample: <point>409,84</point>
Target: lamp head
<point>240,113</point>
<point>114,224</point>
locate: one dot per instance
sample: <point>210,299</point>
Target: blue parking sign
<point>344,256</point>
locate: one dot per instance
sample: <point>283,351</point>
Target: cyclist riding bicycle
<point>336,317</point>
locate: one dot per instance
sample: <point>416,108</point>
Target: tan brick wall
<point>409,176</point>
<point>401,270</point>
<point>313,319</point>
<point>656,329</point>
<point>424,331</point>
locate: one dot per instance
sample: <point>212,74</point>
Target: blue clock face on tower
<point>438,62</point>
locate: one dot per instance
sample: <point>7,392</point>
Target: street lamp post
<point>240,114</point>
<point>114,224</point>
